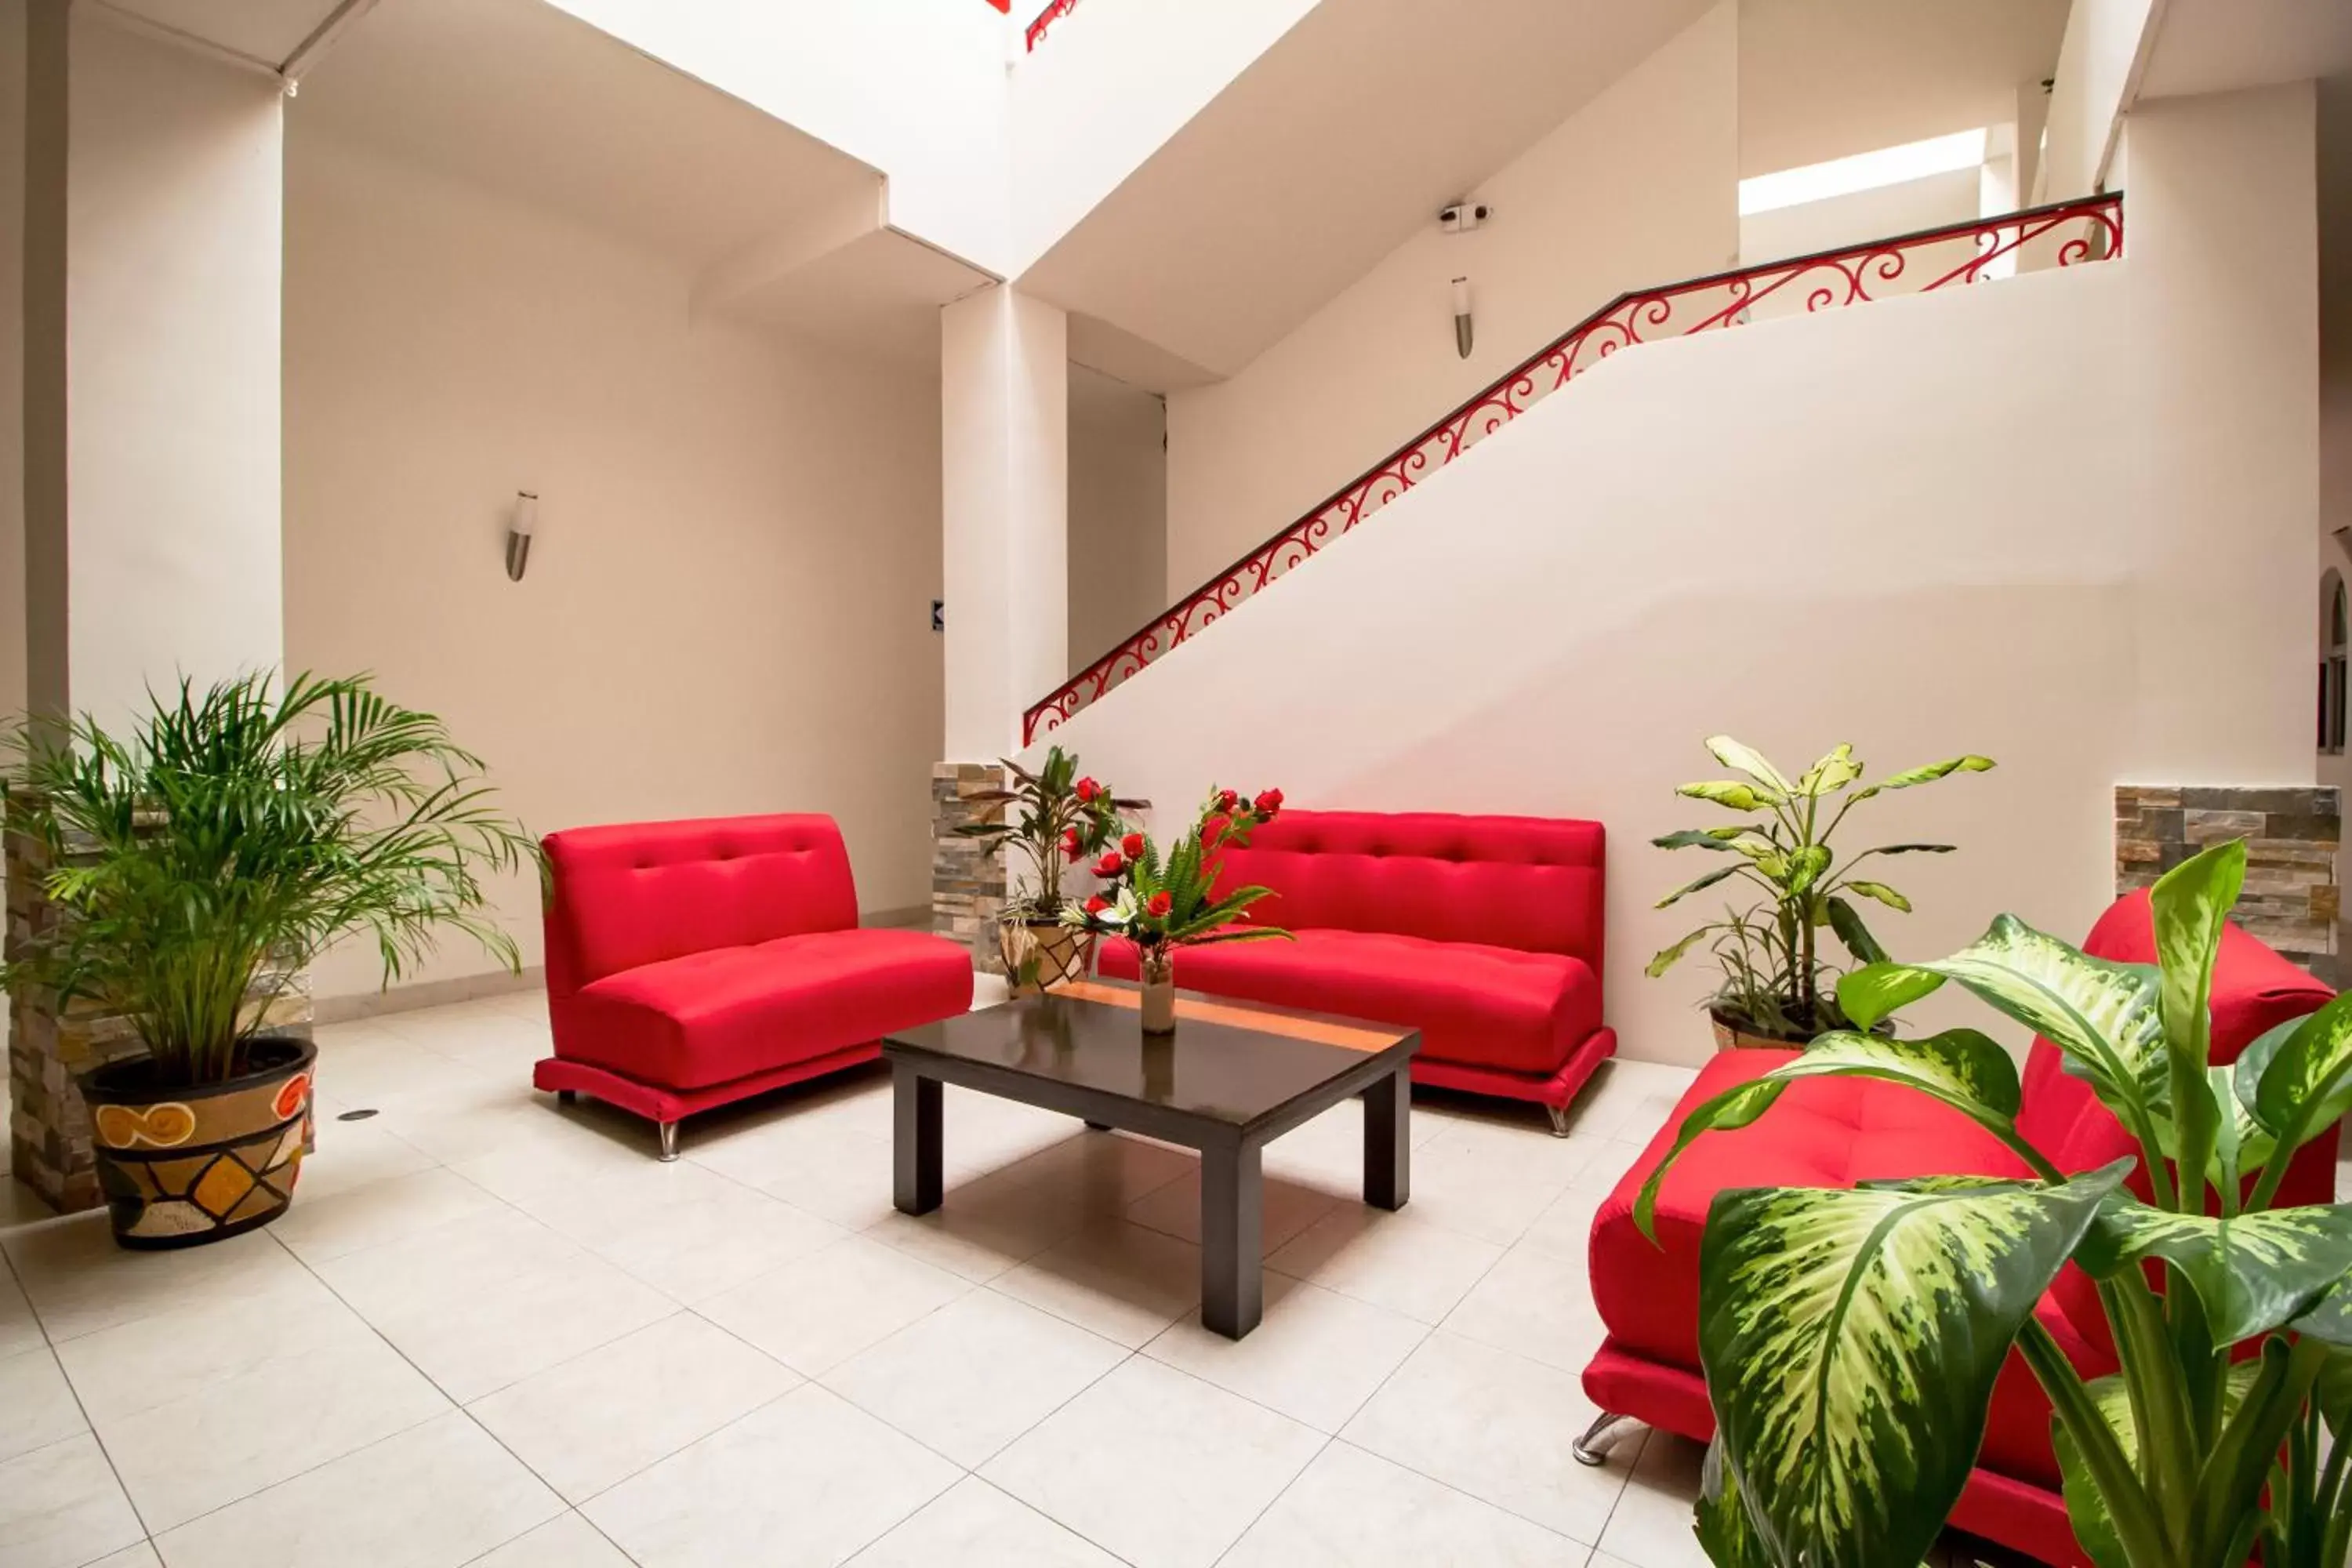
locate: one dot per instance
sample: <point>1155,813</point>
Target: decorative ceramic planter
<point>1058,953</point>
<point>180,1167</point>
<point>1158,976</point>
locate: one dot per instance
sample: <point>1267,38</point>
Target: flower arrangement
<point>1162,903</point>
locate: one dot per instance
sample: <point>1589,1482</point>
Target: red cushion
<point>1475,1004</point>
<point>643,892</point>
<point>1827,1132</point>
<point>708,1018</point>
<point>1525,882</point>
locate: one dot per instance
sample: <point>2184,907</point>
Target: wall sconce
<point>1464,335</point>
<point>520,525</point>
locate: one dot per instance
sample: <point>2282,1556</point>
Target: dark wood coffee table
<point>1232,1078</point>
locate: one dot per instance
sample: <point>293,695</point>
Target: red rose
<point>1266,804</point>
<point>1132,846</point>
<point>1097,904</point>
<point>1158,905</point>
<point>1087,791</point>
<point>1226,800</point>
<point>1071,848</point>
<point>1110,864</point>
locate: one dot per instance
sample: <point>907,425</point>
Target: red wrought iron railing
<point>2064,234</point>
<point>1047,18</point>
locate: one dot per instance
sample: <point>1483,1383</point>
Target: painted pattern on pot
<point>209,1162</point>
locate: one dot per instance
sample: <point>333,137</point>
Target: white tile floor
<point>494,1330</point>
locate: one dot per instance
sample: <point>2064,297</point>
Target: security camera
<point>1461,217</point>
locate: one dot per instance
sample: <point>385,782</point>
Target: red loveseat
<point>1483,932</point>
<point>694,964</point>
<point>1836,1133</point>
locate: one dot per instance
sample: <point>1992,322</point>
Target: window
<point>2336,619</point>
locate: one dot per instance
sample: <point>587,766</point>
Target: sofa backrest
<point>2254,990</point>
<point>1527,882</point>
<point>637,893</point>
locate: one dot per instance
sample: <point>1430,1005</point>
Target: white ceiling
<point>1326,154</point>
<point>2213,46</point>
<point>527,101</point>
<point>266,32</point>
<point>1826,78</point>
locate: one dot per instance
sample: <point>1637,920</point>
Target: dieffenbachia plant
<point>1773,974</point>
<point>1850,1339</point>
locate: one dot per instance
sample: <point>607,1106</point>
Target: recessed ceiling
<point>1326,153</point>
<point>519,96</point>
<point>265,31</point>
<point>1827,79</point>
<point>2214,46</point>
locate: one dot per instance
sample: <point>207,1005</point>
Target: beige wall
<point>1637,188</point>
<point>1901,209</point>
<point>727,608</point>
<point>1791,533</point>
<point>2104,44</point>
<point>1118,511</point>
<point>12,356</point>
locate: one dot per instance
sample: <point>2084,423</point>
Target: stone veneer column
<point>967,877</point>
<point>2291,899</point>
<point>50,1044</point>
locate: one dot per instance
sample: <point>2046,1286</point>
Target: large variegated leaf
<point>2101,1014</point>
<point>1747,760</point>
<point>2253,1272</point>
<point>1702,885</point>
<point>1831,774</point>
<point>1850,1339</point>
<point>2086,1508</point>
<point>1730,793</point>
<point>2190,907</point>
<point>1725,1532</point>
<point>1911,777</point>
<point>1961,1066</point>
<point>2307,1087</point>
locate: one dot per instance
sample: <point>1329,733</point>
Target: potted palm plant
<point>1056,819</point>
<point>199,863</point>
<point>1850,1338</point>
<point>1777,989</point>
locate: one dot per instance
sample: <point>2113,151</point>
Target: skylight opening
<point>1863,172</point>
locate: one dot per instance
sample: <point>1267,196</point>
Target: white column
<point>153,245</point>
<point>1004,408</point>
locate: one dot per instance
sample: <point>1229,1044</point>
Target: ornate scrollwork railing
<point>2062,234</point>
<point>1047,18</point>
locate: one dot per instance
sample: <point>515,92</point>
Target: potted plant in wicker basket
<point>1162,902</point>
<point>198,864</point>
<point>1777,990</point>
<point>1062,819</point>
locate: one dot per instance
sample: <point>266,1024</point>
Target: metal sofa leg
<point>1592,1448</point>
<point>670,1141</point>
<point>1559,1114</point>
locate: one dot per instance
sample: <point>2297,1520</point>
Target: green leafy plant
<point>1053,818</point>
<point>1162,903</point>
<point>1850,1339</point>
<point>1775,982</point>
<point>217,849</point>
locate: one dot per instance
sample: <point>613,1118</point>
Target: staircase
<point>2062,234</point>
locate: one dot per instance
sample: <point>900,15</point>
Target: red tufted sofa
<point>1836,1133</point>
<point>1485,932</point>
<point>694,964</point>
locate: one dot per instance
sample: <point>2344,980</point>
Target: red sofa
<point>1836,1133</point>
<point>1485,932</point>
<point>694,964</point>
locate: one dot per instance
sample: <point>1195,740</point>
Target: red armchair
<point>1485,932</point>
<point>694,964</point>
<point>1836,1133</point>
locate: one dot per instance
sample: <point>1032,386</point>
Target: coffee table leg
<point>914,1140</point>
<point>1388,1141</point>
<point>1231,1213</point>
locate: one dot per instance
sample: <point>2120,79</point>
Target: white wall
<point>1115,81</point>
<point>2105,42</point>
<point>1900,208</point>
<point>12,356</point>
<point>157,388</point>
<point>1118,511</point>
<point>915,87</point>
<point>1789,533</point>
<point>1637,188</point>
<point>727,608</point>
